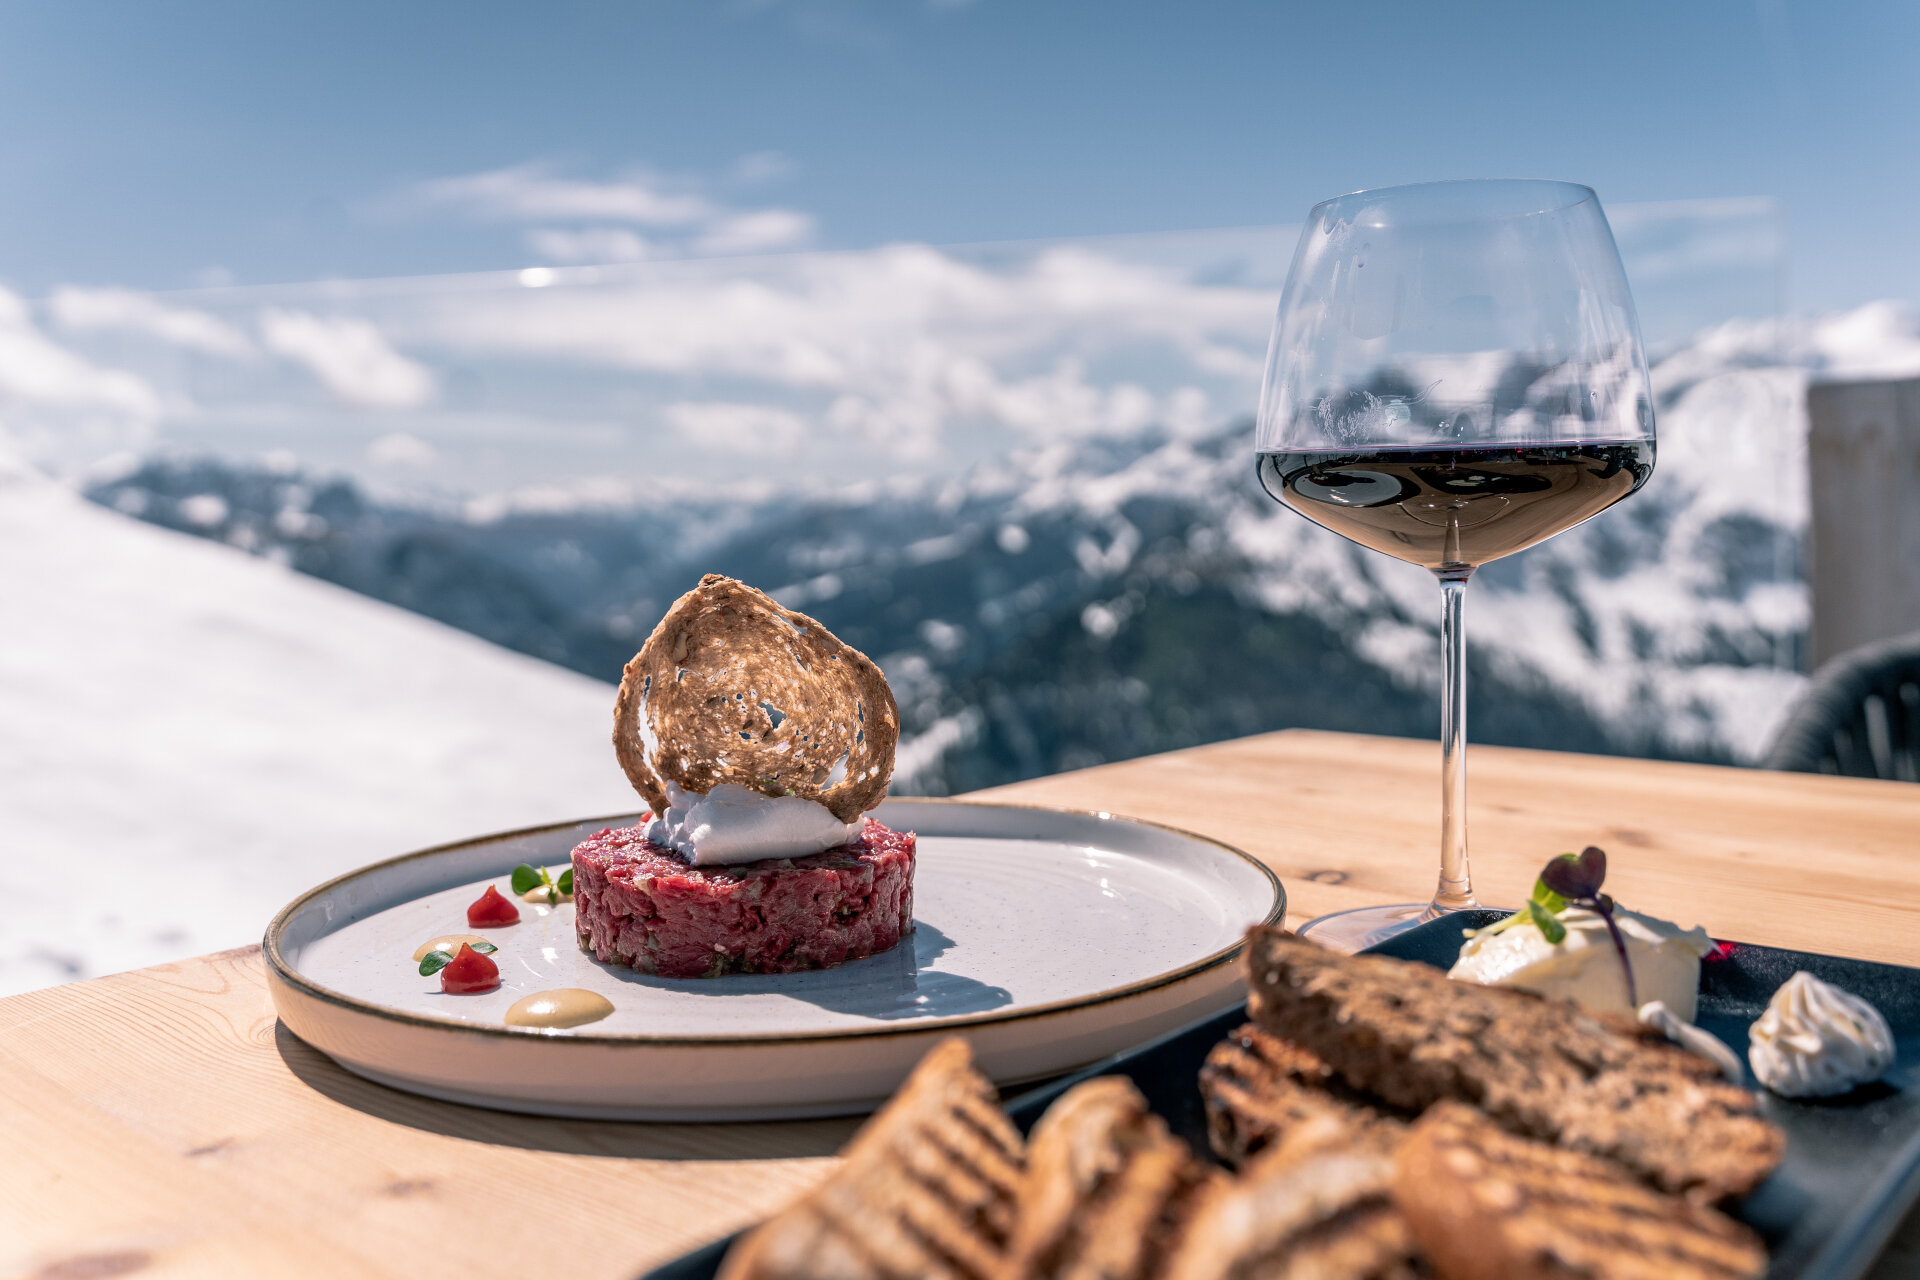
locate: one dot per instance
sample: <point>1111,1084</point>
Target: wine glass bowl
<point>1455,375</point>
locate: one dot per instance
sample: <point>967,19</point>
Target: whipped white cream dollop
<point>1585,968</point>
<point>1815,1040</point>
<point>733,824</point>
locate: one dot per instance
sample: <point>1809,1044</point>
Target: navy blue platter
<point>1852,1167</point>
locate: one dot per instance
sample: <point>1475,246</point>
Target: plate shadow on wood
<point>614,1139</point>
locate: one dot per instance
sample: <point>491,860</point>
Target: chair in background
<point>1860,717</point>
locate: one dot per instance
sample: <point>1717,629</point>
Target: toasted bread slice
<point>1539,1068</point>
<point>1107,1190</point>
<point>1485,1205</point>
<point>1316,1205</point>
<point>1260,1089</point>
<point>926,1189</point>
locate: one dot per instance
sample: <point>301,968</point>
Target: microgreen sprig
<point>1572,880</point>
<point>527,877</point>
<point>434,961</point>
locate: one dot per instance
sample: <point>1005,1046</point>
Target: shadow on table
<point>619,1139</point>
<point>893,986</point>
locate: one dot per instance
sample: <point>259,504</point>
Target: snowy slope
<point>189,736</point>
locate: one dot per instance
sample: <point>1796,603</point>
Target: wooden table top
<point>161,1123</point>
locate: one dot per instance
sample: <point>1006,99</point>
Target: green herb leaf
<point>484,948</point>
<point>435,962</point>
<point>566,880</point>
<point>1548,898</point>
<point>524,878</point>
<point>1550,927</point>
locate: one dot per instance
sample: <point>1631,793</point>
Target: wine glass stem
<point>1455,892</point>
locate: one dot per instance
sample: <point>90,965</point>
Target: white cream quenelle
<point>732,824</point>
<point>1815,1040</point>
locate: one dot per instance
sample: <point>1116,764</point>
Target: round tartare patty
<point>641,905</point>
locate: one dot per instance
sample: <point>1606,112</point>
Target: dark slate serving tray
<point>1852,1167</point>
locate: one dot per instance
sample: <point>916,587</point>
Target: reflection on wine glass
<point>1455,375</point>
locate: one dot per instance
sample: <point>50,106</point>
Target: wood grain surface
<point>161,1123</point>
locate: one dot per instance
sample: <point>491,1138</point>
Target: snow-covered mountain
<point>190,736</point>
<point>1109,596</point>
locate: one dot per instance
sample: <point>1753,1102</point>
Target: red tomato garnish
<point>468,972</point>
<point>492,909</point>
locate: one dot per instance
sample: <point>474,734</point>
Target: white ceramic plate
<point>1049,939</point>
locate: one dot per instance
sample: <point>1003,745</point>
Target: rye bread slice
<point>1258,1090</point>
<point>1108,1189</point>
<point>926,1189</point>
<point>1540,1068</point>
<point>1485,1205</point>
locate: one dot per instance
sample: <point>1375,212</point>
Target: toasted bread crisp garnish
<point>1485,1205</point>
<point>1108,1189</point>
<point>927,1189</point>
<point>1410,1036</point>
<point>731,687</point>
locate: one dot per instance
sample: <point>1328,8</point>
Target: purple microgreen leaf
<point>1576,877</point>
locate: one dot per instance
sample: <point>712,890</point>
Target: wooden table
<point>160,1123</point>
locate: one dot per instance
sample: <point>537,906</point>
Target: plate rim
<point>283,971</point>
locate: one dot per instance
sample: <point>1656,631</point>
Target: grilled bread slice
<point>1540,1068</point>
<point>927,1189</point>
<point>1315,1205</point>
<point>1259,1089</point>
<point>1107,1188</point>
<point>1485,1205</point>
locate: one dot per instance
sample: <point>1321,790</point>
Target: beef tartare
<point>641,905</point>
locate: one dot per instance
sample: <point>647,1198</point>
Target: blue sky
<point>165,145</point>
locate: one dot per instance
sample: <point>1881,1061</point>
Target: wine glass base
<point>1362,927</point>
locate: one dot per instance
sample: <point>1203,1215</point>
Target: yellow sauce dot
<point>446,942</point>
<point>561,1007</point>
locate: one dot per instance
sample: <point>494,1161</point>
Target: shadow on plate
<point>893,985</point>
<point>611,1138</point>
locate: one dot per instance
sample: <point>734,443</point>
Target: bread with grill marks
<point>1485,1205</point>
<point>1411,1037</point>
<point>927,1188</point>
<point>1108,1190</point>
<point>1259,1089</point>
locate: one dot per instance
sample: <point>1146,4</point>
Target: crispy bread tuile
<point>1544,1069</point>
<point>926,1189</point>
<point>731,687</point>
<point>1485,1205</point>
<point>1107,1189</point>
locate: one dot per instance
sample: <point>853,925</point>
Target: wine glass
<point>1455,375</point>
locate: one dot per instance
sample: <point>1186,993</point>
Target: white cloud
<point>529,193</point>
<point>43,385</point>
<point>759,232</point>
<point>592,244</point>
<point>732,428</point>
<point>351,357</point>
<point>124,310</point>
<point>678,216</point>
<point>902,345</point>
<point>398,449</point>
